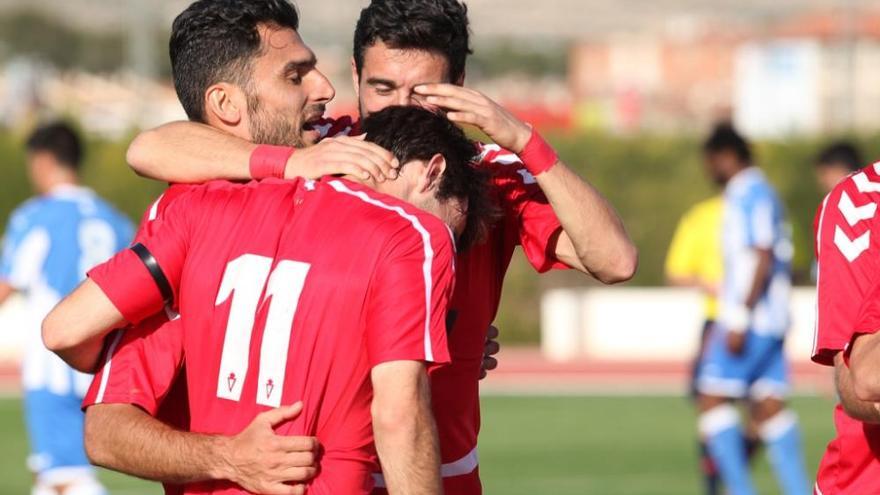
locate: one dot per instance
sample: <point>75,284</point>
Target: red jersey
<point>292,291</point>
<point>847,226</point>
<point>527,221</point>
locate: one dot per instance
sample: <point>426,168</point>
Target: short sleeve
<point>525,207</point>
<point>847,264</point>
<point>409,297</point>
<point>136,289</point>
<point>140,366</point>
<point>761,224</point>
<point>25,248</point>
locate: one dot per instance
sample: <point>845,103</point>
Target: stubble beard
<point>272,128</point>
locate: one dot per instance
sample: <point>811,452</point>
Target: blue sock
<point>782,438</point>
<point>720,427</point>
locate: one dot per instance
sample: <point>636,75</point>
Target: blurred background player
<point>50,243</point>
<point>833,164</point>
<point>694,260</point>
<point>836,162</point>
<point>744,356</point>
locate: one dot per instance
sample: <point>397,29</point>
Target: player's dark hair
<point>414,133</point>
<point>59,139</point>
<point>438,26</point>
<point>215,41</point>
<point>726,138</point>
<point>841,154</point>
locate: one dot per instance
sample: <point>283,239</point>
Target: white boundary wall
<point>645,324</point>
<point>12,330</point>
<point>611,324</point>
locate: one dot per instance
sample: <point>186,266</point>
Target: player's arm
<point>864,365</point>
<point>737,308</point>
<point>738,317</point>
<point>593,239</point>
<point>210,153</point>
<point>856,408</point>
<point>76,327</point>
<point>125,438</point>
<point>404,429</point>
<point>405,323</point>
<point>6,291</point>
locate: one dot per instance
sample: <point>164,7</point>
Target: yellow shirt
<point>695,252</point>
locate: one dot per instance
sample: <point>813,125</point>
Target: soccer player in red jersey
<point>322,292</point>
<point>414,52</point>
<point>847,322</point>
<point>240,67</point>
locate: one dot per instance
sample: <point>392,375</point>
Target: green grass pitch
<point>546,445</point>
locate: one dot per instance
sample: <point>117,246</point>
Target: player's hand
<point>467,106</point>
<point>343,155</point>
<point>262,462</point>
<point>736,342</point>
<point>490,349</point>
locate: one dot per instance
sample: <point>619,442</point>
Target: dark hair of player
<point>215,41</point>
<point>725,138</point>
<point>841,154</point>
<point>414,133</point>
<point>438,26</point>
<point>59,139</point>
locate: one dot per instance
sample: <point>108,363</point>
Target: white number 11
<point>246,276</point>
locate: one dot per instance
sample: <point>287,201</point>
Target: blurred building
<point>804,74</point>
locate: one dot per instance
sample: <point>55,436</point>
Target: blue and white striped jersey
<point>49,244</point>
<point>754,218</point>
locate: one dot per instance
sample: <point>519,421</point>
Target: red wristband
<point>538,157</point>
<point>269,161</point>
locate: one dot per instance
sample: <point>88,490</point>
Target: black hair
<point>438,26</point>
<point>841,153</point>
<point>414,133</point>
<point>216,40</point>
<point>726,138</point>
<point>59,139</point>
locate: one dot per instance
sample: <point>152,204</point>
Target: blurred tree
<point>37,35</point>
<point>508,57</point>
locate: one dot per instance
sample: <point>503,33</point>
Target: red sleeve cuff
<point>539,248</point>
<point>129,286</point>
<point>141,400</point>
<point>825,355</point>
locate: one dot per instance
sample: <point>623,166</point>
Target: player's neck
<point>58,182</point>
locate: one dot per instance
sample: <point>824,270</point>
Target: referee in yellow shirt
<point>695,260</point>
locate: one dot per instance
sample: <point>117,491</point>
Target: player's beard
<point>273,128</point>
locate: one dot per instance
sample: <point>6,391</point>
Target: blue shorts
<point>760,372</point>
<point>55,428</point>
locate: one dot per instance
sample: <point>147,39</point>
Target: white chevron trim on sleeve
<point>855,214</point>
<point>851,248</point>
<point>864,184</point>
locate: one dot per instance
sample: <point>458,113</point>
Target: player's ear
<point>226,103</point>
<point>433,173</point>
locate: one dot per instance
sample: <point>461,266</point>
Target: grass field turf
<point>541,445</point>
